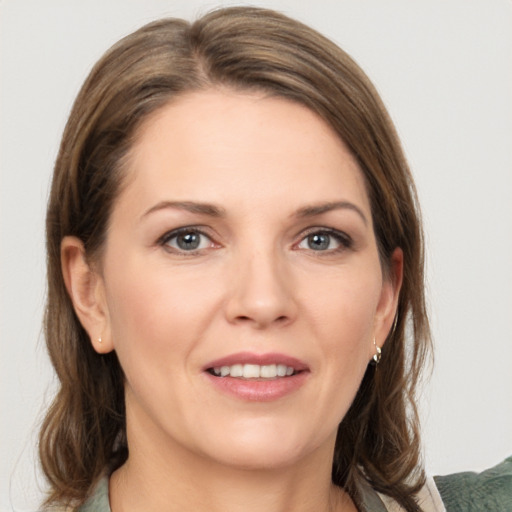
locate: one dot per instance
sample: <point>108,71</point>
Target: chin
<point>264,448</point>
<point>261,459</point>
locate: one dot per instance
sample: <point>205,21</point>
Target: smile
<point>253,371</point>
<point>257,377</point>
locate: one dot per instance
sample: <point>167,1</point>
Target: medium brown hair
<point>242,48</point>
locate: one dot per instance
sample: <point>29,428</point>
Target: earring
<point>378,354</point>
<point>100,340</point>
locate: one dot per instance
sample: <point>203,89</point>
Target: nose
<point>261,292</point>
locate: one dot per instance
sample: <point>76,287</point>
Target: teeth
<point>281,370</point>
<point>254,371</point>
<point>251,371</point>
<point>237,370</point>
<point>269,371</point>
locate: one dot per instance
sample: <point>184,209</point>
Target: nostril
<point>282,319</point>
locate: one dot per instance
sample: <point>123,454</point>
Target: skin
<point>256,284</point>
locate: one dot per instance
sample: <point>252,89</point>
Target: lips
<point>257,377</point>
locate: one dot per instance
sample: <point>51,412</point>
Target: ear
<point>388,302</point>
<point>86,289</point>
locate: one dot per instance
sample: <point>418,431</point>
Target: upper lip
<point>259,359</point>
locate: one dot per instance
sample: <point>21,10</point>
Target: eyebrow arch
<point>190,206</point>
<point>318,209</point>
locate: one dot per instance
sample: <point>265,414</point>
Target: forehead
<point>225,145</point>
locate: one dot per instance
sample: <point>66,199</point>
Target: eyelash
<point>345,241</point>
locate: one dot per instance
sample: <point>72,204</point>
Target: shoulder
<point>490,490</point>
<point>428,499</point>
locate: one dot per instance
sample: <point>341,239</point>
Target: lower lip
<point>258,390</point>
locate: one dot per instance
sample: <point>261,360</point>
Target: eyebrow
<point>319,209</point>
<point>190,206</point>
<point>216,211</point>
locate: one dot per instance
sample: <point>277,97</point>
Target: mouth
<point>254,371</point>
<point>257,377</point>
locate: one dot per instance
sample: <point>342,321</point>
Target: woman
<point>234,258</point>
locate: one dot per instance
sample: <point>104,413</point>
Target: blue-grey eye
<point>187,240</point>
<point>321,241</point>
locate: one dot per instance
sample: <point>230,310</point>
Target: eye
<point>325,240</point>
<point>186,240</point>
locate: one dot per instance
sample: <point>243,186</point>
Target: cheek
<point>344,321</point>
<point>345,305</point>
<point>155,327</point>
<point>157,311</point>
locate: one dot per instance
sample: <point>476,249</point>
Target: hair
<point>241,48</point>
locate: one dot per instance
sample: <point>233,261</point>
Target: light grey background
<point>444,70</point>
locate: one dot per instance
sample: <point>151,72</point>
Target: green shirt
<point>489,491</point>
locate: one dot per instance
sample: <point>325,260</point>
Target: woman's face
<point>241,250</point>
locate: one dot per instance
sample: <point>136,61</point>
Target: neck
<point>224,490</point>
<point>163,478</point>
